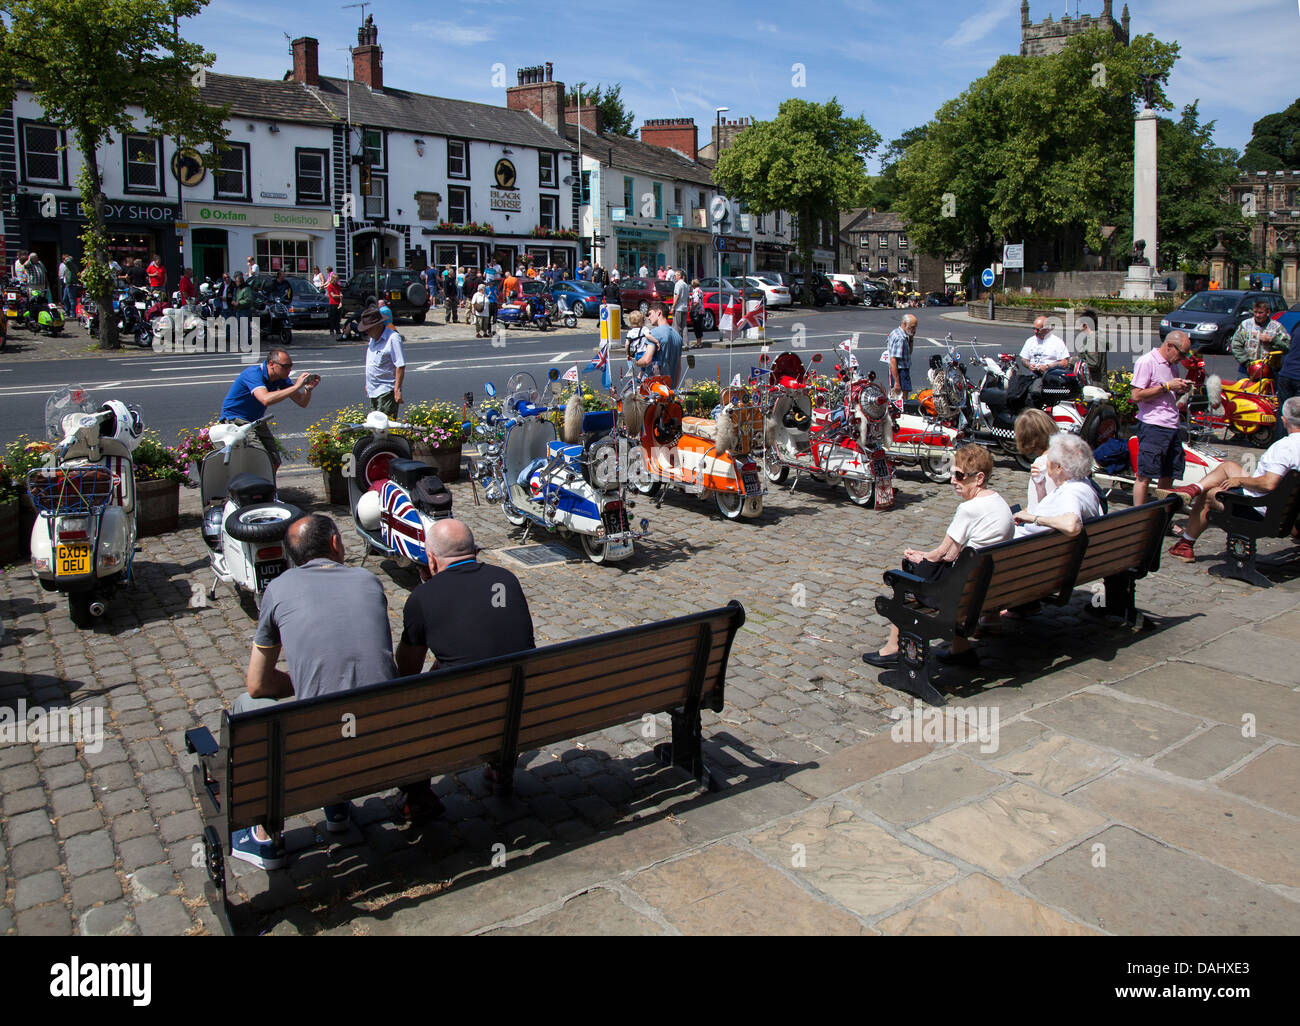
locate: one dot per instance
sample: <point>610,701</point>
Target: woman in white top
<point>983,518</point>
<point>1034,430</point>
<point>1073,498</point>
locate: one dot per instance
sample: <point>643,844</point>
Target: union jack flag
<point>601,363</point>
<point>400,525</point>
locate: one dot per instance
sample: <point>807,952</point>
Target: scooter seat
<point>407,472</point>
<point>598,422</point>
<point>912,407</point>
<point>699,427</point>
<point>570,452</point>
<point>994,398</point>
<point>431,496</point>
<point>246,489</point>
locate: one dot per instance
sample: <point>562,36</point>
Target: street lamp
<point>717,152</point>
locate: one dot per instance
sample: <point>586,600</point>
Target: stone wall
<point>1070,284</point>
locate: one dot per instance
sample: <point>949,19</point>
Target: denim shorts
<point>1160,452</point>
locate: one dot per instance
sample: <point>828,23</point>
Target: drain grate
<point>539,555</point>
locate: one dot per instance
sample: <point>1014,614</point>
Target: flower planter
<point>447,460</point>
<point>12,541</point>
<point>336,487</point>
<point>157,507</point>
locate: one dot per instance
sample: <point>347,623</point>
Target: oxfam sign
<point>217,214</point>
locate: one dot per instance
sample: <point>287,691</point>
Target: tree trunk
<point>89,142</point>
<point>806,222</point>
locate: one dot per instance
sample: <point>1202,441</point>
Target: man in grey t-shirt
<point>681,302</point>
<point>331,621</point>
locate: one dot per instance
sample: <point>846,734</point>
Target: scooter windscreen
<point>72,399</point>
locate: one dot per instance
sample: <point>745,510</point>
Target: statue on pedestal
<point>1139,258</point>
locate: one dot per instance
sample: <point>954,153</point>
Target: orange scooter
<point>702,455</point>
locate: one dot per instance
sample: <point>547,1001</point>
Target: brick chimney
<point>730,129</point>
<point>537,92</point>
<point>306,67</point>
<point>678,134</point>
<point>368,56</point>
<point>591,119</point>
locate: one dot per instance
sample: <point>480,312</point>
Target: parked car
<point>1210,317</point>
<point>843,294</point>
<point>938,299</point>
<point>1289,319</point>
<point>851,282</point>
<point>820,288</point>
<point>709,304</point>
<point>774,294</point>
<point>740,286</point>
<point>583,297</point>
<point>876,295</point>
<point>309,306</point>
<point>401,288</point>
<point>639,293</point>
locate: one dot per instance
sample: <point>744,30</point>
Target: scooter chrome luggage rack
<point>71,491</point>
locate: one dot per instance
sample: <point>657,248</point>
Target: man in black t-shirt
<point>467,611</point>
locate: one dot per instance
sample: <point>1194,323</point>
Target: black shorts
<point>1160,452</point>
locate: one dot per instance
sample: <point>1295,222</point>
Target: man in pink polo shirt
<point>1156,391</point>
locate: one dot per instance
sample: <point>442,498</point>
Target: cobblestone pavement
<point>1140,783</point>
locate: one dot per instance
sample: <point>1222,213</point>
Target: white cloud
<point>767,26</point>
<point>980,24</point>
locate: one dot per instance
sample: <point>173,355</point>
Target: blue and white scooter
<point>577,486</point>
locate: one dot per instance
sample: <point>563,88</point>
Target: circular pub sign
<point>187,166</point>
<point>505,174</point>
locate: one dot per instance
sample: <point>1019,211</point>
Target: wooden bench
<point>1118,549</point>
<point>1245,525</point>
<point>281,761</point>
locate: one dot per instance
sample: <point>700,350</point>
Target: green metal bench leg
<point>1241,562</point>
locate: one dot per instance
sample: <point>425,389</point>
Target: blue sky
<point>895,63</point>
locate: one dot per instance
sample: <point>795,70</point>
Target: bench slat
<point>575,724</point>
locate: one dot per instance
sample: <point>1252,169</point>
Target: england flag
<point>571,374</point>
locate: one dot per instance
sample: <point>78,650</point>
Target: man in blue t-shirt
<point>668,343</point>
<point>262,385</point>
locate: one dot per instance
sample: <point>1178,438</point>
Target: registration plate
<point>879,468</point>
<point>72,561</point>
<point>139,305</point>
<point>267,572</point>
<point>615,549</point>
<point>750,482</point>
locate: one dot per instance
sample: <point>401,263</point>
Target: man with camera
<point>262,385</point>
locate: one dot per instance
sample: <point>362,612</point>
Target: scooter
<point>87,313</point>
<point>701,455</point>
<point>83,540</point>
<point>531,312</point>
<point>33,309</point>
<point>1246,407</point>
<point>15,302</point>
<point>572,486</point>
<point>835,439</point>
<point>136,308</point>
<point>243,522</point>
<point>570,319</point>
<point>394,499</point>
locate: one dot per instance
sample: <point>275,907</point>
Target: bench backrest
<point>300,755</point>
<point>1129,539</point>
<point>1281,518</point>
<point>1051,565</point>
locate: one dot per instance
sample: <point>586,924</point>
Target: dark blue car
<point>582,297</point>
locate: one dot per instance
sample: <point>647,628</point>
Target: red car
<point>843,294</point>
<point>639,293</point>
<point>731,305</point>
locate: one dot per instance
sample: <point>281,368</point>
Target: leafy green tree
<point>810,160</point>
<point>1032,148</point>
<point>883,190</point>
<point>1274,142</point>
<point>614,115</point>
<point>99,69</point>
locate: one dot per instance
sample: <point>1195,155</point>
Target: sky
<point>893,63</point>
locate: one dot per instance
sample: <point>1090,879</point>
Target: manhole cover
<point>539,555</point>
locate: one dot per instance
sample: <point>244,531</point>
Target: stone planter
<point>336,487</point>
<point>157,507</point>
<point>447,461</point>
<point>12,540</point>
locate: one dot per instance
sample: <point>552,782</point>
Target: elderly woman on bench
<point>983,518</point>
<point>1073,497</point>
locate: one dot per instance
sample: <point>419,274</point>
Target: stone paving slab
<point>1100,733</point>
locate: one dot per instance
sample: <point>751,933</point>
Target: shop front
<point>52,225</point>
<point>772,256</point>
<point>222,236</point>
<point>639,247</point>
<point>694,254</point>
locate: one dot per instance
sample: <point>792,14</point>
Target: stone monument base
<point>1138,284</point>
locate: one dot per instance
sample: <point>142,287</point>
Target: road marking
<point>559,358</point>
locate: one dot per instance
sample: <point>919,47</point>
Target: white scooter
<point>243,523</point>
<point>83,540</point>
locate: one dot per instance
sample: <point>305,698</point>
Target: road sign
<point>1013,257</point>
<point>986,279</point>
<point>718,209</point>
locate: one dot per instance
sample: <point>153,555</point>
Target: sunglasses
<point>1179,349</point>
<point>964,475</point>
<point>286,366</point>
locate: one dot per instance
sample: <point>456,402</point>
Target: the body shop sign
<point>218,215</point>
<point>63,208</point>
